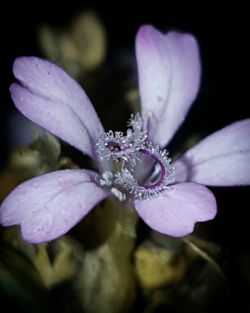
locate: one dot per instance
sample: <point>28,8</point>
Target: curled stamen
<point>146,191</point>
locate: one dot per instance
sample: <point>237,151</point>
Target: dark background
<point>221,32</point>
<point>224,97</point>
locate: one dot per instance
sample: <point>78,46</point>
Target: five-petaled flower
<point>169,197</point>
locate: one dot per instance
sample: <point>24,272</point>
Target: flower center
<point>113,146</point>
<point>125,153</point>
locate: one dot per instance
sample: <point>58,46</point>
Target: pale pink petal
<point>169,78</point>
<point>49,205</point>
<point>176,211</point>
<point>47,82</point>
<point>221,159</point>
<point>61,121</point>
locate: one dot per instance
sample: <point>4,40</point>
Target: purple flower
<point>170,198</point>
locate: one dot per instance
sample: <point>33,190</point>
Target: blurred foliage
<point>112,274</point>
<point>106,281</point>
<point>80,48</point>
<point>109,79</point>
<point>37,158</point>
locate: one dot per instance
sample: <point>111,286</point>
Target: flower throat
<point>125,154</point>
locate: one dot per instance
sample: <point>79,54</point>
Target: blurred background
<point>94,42</point>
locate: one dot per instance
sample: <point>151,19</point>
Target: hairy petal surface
<point>221,159</point>
<point>44,81</point>
<point>49,205</point>
<point>175,211</point>
<point>169,77</point>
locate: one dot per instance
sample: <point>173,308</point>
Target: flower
<point>49,205</point>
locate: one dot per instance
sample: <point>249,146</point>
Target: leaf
<point>156,266</point>
<point>204,249</point>
<point>20,285</point>
<point>63,266</point>
<point>78,48</point>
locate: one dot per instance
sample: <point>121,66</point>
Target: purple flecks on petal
<point>47,206</point>
<point>169,77</point>
<point>221,159</point>
<point>175,211</point>
<point>47,81</point>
